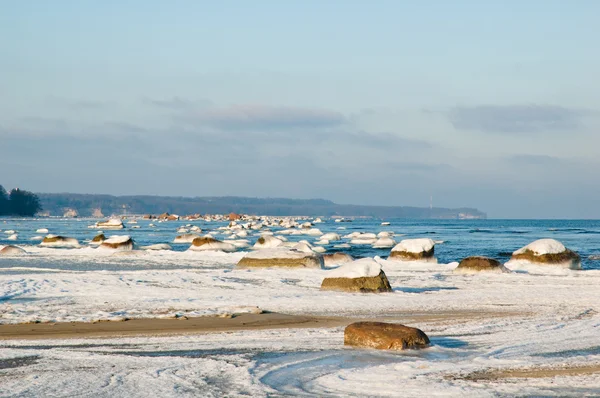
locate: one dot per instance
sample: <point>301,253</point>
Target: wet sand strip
<point>200,325</point>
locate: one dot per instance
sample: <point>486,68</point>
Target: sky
<point>486,104</point>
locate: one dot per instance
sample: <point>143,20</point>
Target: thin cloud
<point>259,117</point>
<point>176,103</point>
<point>515,118</point>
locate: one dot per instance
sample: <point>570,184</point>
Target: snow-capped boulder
<point>113,223</point>
<point>120,243</point>
<point>304,247</point>
<point>313,232</point>
<point>475,264</point>
<point>384,243</point>
<point>13,237</point>
<point>185,238</point>
<point>384,336</point>
<point>59,242</point>
<point>11,250</point>
<point>548,251</point>
<point>336,259</point>
<point>413,249</point>
<point>363,276</point>
<point>207,243</point>
<point>41,231</point>
<point>267,242</point>
<point>331,236</point>
<point>281,257</point>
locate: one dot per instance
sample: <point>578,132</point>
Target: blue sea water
<point>461,238</point>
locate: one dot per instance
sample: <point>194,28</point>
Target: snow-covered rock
<point>331,236</point>
<point>314,232</point>
<point>211,244</point>
<point>547,251</point>
<point>185,238</point>
<point>118,242</point>
<point>384,243</point>
<point>281,257</point>
<point>364,275</point>
<point>113,223</point>
<point>336,259</point>
<point>41,231</point>
<point>59,242</point>
<point>267,242</point>
<point>413,249</point>
<point>13,237</point>
<point>11,250</point>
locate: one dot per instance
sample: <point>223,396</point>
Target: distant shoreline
<point>57,204</point>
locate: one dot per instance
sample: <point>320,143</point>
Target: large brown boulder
<point>281,257</point>
<point>384,336</point>
<point>360,276</point>
<point>476,264</point>
<point>234,217</point>
<point>337,259</point>
<point>413,249</point>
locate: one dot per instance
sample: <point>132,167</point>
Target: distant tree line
<point>18,203</point>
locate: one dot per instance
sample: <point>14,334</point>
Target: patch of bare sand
<point>200,325</point>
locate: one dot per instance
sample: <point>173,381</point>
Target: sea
<point>455,239</point>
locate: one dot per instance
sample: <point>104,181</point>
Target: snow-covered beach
<point>533,331</point>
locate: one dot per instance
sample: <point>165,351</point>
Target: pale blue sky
<point>491,104</point>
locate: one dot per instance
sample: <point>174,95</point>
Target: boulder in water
<point>120,243</point>
<point>211,244</point>
<point>548,252</point>
<point>113,223</point>
<point>413,249</point>
<point>475,264</point>
<point>59,241</point>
